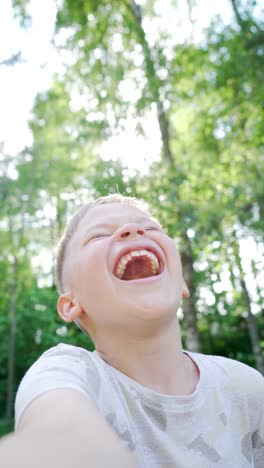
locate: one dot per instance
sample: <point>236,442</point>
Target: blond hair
<point>73,225</point>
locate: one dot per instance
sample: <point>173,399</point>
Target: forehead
<point>112,214</point>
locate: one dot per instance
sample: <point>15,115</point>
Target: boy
<point>119,277</point>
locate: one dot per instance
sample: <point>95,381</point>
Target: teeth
<point>137,253</point>
<point>120,271</point>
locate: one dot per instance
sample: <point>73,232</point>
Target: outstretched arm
<point>63,429</point>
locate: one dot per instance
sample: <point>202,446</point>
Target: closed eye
<point>96,236</point>
<point>152,228</point>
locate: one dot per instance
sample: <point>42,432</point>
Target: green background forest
<point>201,100</point>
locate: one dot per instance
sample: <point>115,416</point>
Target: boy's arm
<point>63,429</point>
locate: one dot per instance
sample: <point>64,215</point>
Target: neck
<point>155,361</point>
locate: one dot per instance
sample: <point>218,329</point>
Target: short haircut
<point>72,226</point>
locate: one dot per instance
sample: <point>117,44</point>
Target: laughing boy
<point>140,399</point>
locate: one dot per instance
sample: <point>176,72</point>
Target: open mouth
<point>138,264</point>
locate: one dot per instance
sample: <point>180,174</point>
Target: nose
<point>129,230</point>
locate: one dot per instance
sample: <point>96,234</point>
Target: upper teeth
<point>121,266</point>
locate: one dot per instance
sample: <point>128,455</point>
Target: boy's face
<point>122,268</point>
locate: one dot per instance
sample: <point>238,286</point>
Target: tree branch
<point>239,19</point>
<point>15,58</point>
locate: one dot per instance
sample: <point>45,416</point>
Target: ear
<point>68,308</point>
<point>185,290</point>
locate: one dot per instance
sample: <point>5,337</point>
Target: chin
<point>154,308</point>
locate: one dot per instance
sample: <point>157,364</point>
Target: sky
<point>21,83</point>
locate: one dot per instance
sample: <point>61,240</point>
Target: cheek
<point>172,255</point>
<point>91,269</point>
<point>175,260</point>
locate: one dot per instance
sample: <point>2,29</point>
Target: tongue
<point>137,268</point>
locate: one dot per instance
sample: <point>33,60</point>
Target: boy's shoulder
<point>66,350</point>
<point>60,367</point>
<point>69,358</point>
<point>239,375</point>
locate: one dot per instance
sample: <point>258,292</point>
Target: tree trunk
<point>189,309</point>
<point>251,319</point>
<point>11,345</point>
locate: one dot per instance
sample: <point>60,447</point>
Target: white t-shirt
<point>220,425</point>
